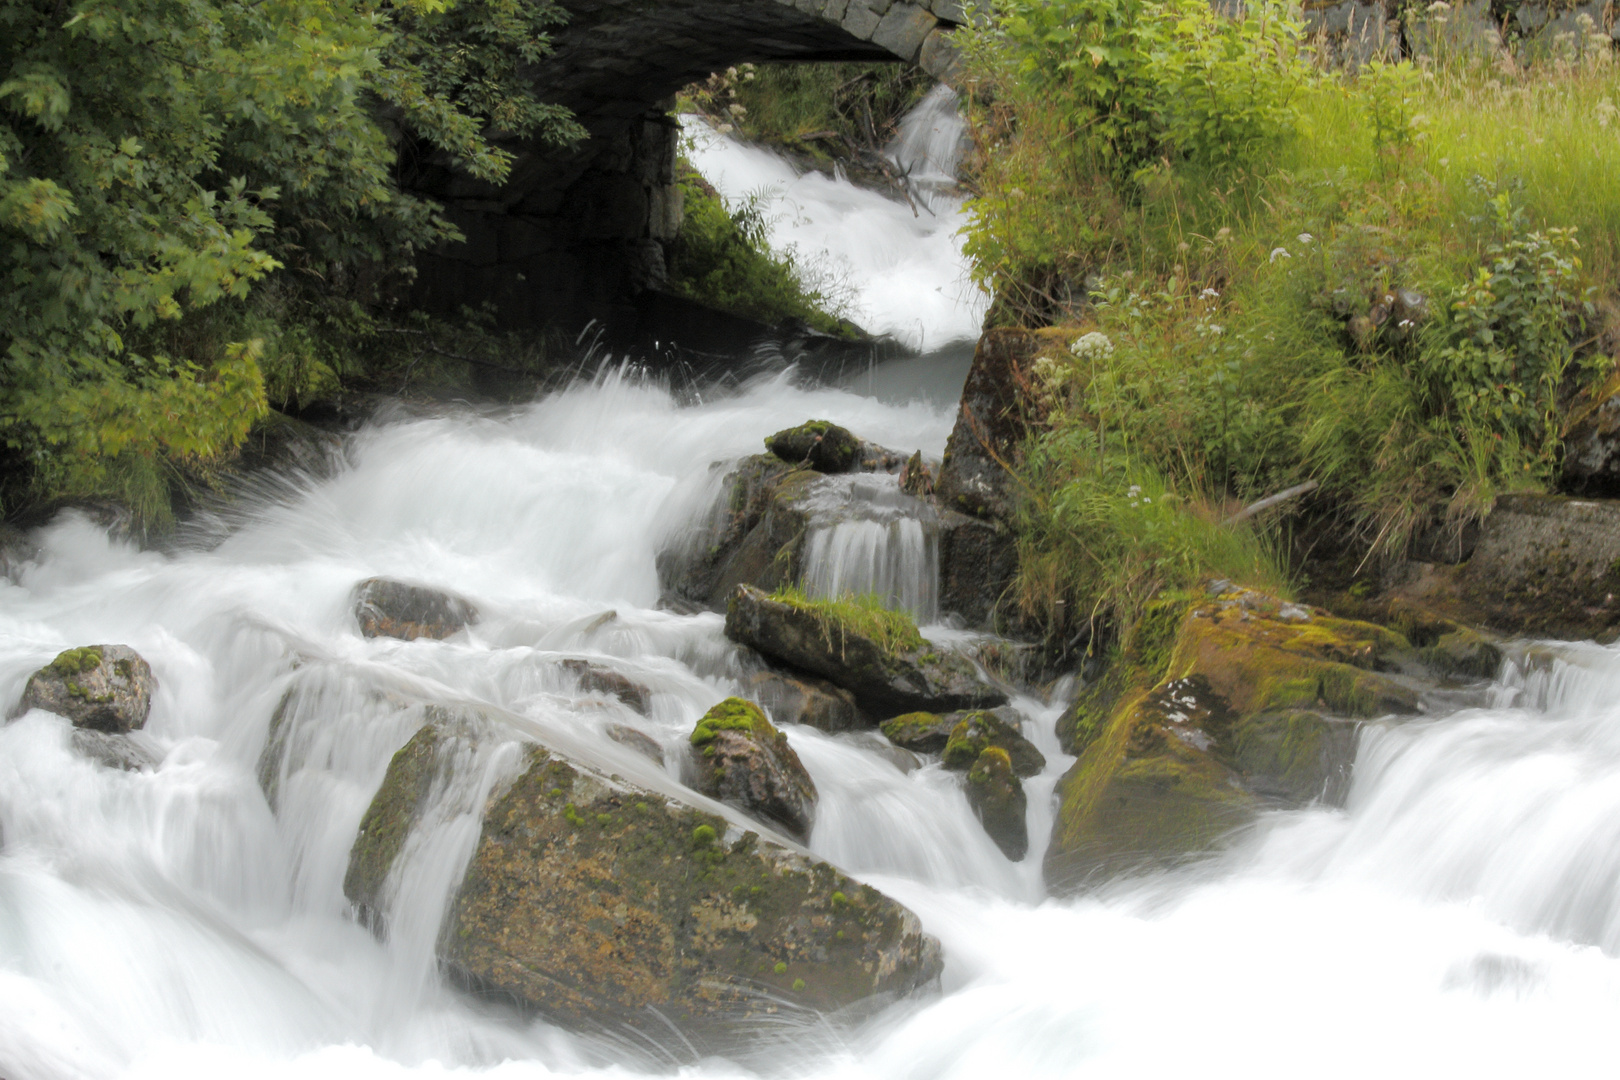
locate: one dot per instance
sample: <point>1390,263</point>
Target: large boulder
<point>387,608</point>
<point>998,801</point>
<point>901,674</point>
<point>101,687</point>
<point>599,903</point>
<point>804,699</point>
<point>740,759</point>
<point>1216,709</point>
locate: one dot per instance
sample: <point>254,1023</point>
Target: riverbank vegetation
<point>1393,282</point>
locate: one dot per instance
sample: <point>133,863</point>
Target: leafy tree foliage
<point>159,159</point>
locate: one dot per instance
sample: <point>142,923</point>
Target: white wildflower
<point>1306,238</point>
<point>1092,346</point>
<point>1280,253</point>
<point>1209,294</point>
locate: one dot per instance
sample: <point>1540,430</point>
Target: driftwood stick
<point>1272,500</point>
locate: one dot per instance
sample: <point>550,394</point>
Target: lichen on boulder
<point>387,608</point>
<point>598,904</point>
<point>1223,704</point>
<point>742,760</point>
<point>877,656</point>
<point>101,687</point>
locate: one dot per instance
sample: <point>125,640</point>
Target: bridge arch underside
<point>580,234</point>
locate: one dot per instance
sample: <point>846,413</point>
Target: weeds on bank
<point>1393,281</point>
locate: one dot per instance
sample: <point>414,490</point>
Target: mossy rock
<point>920,732</point>
<point>99,687</point>
<point>741,759</point>
<point>998,801</point>
<point>981,730</point>
<point>886,679</point>
<point>820,444</point>
<point>600,904</point>
<point>1248,700</point>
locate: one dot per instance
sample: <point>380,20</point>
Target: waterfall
<point>901,265</point>
<point>1459,915</point>
<point>867,536</point>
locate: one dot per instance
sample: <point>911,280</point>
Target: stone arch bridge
<point>580,234</point>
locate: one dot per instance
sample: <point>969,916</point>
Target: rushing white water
<point>1459,916</point>
<point>868,536</point>
<point>901,266</point>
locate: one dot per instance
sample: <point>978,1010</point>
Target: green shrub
<point>722,258</point>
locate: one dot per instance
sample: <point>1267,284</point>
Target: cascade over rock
<point>885,681</point>
<point>101,687</point>
<point>599,903</point>
<point>742,760</point>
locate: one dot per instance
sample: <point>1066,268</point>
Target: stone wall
<point>580,234</point>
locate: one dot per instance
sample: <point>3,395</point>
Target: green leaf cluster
<point>161,160</point>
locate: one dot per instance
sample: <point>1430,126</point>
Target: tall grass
<point>1256,317</point>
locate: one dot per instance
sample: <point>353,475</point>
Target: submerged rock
<point>101,687</point>
<point>593,678</point>
<point>998,801</point>
<point>743,761</point>
<point>978,731</point>
<point>637,740</point>
<point>388,608</point>
<point>599,903</point>
<point>885,679</point>
<point>1252,700</point>
<point>803,699</point>
<point>113,751</point>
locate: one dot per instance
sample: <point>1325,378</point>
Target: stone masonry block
<point>939,57</point>
<point>903,29</point>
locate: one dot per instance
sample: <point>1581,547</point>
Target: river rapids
<point>1460,915</point>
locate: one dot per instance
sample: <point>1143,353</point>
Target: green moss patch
<point>893,631</point>
<point>76,661</point>
<point>732,714</point>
